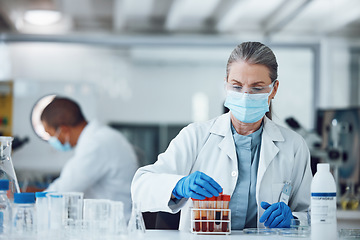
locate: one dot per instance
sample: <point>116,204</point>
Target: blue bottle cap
<point>28,197</point>
<point>40,194</point>
<point>4,185</point>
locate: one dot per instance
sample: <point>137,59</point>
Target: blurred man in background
<point>104,162</point>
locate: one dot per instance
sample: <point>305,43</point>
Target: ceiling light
<point>42,17</point>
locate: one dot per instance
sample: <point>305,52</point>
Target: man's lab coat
<point>209,147</point>
<point>102,167</point>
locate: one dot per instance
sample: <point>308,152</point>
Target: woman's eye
<point>258,89</point>
<point>237,88</point>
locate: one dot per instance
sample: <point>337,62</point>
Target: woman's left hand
<point>277,215</point>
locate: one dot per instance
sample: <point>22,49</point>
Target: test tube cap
<point>213,198</point>
<point>28,197</point>
<point>225,197</point>
<point>205,199</point>
<point>4,184</point>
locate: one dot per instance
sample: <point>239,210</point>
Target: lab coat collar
<point>272,131</point>
<point>222,127</point>
<point>271,134</point>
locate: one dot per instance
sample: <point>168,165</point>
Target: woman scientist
<point>263,166</point>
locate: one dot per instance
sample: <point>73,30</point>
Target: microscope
<point>330,147</point>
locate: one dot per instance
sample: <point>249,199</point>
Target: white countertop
<point>348,214</point>
<point>182,235</point>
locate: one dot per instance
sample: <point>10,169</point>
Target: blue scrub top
<point>243,201</point>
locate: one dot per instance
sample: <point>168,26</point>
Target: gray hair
<point>254,53</point>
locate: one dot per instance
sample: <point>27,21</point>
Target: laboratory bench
<point>348,219</point>
<point>173,235</point>
<point>182,235</point>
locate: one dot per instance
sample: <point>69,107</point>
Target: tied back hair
<point>254,53</point>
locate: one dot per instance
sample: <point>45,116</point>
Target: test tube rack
<point>217,221</point>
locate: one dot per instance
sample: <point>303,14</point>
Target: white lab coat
<point>102,167</point>
<point>209,147</point>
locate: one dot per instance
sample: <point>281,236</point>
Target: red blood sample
<point>197,225</point>
<point>225,224</point>
<point>204,224</point>
<point>226,200</point>
<point>211,226</point>
<point>212,205</point>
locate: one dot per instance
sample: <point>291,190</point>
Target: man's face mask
<point>55,143</point>
<point>248,107</point>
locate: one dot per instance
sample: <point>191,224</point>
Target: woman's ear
<point>276,86</point>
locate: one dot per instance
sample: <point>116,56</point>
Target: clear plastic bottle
<point>42,213</point>
<point>24,218</point>
<point>5,208</point>
<point>323,204</point>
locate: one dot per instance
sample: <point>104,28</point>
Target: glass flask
<point>136,223</point>
<point>349,201</point>
<point>6,166</point>
<point>5,209</point>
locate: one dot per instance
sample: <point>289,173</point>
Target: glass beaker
<point>98,213</point>
<point>118,221</point>
<point>65,211</point>
<point>6,166</point>
<point>136,225</point>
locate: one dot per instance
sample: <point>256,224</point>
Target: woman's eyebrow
<point>258,82</point>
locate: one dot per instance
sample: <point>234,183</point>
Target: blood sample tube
<point>225,200</point>
<point>204,214</point>
<point>196,215</point>
<point>211,211</point>
<point>218,214</point>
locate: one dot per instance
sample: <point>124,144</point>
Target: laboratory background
<point>148,68</point>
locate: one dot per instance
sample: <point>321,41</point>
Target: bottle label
<point>323,208</point>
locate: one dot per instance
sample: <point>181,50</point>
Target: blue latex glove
<point>277,215</point>
<point>197,185</point>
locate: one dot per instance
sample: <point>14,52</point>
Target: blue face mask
<point>247,108</point>
<point>55,143</point>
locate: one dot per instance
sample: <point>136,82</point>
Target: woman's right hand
<point>197,185</point>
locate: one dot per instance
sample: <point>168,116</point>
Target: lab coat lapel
<point>222,127</point>
<point>271,134</point>
<point>228,146</point>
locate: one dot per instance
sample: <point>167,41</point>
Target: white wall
<point>296,86</point>
<point>139,84</point>
<point>335,79</point>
